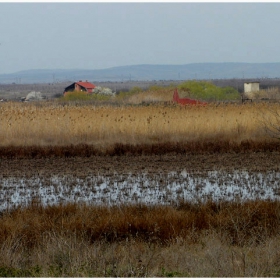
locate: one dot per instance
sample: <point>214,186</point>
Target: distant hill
<point>146,72</point>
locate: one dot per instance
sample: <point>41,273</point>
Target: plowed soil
<point>108,165</point>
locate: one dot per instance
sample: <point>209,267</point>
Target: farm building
<point>251,90</point>
<point>251,87</point>
<point>80,86</point>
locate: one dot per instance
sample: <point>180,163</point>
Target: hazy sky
<point>103,35</point>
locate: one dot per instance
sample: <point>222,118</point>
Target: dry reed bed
<point>198,240</point>
<point>238,222</point>
<point>54,125</point>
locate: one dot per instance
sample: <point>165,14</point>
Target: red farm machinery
<point>185,101</point>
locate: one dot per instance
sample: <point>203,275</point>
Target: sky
<point>93,35</point>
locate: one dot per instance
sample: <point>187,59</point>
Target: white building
<point>251,87</point>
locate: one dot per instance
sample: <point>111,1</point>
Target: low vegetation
<point>136,95</point>
<point>83,96</point>
<point>184,240</point>
<point>208,91</point>
<point>202,90</point>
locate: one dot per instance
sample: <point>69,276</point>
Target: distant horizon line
<point>130,65</point>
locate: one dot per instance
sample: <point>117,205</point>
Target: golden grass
<point>53,124</point>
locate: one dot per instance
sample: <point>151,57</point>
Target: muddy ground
<point>156,164</point>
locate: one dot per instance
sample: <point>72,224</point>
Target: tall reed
<point>31,124</point>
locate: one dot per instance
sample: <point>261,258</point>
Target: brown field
<point>183,239</point>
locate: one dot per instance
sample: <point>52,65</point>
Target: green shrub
<point>76,95</point>
<point>135,90</point>
<point>132,91</point>
<point>100,97</point>
<point>155,88</point>
<point>83,96</point>
<point>207,91</point>
<point>123,94</point>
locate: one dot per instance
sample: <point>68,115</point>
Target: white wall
<point>249,87</point>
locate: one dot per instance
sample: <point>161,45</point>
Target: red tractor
<point>185,101</point>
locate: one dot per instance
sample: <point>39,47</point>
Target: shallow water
<point>140,188</point>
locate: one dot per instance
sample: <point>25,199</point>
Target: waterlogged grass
<point>163,189</point>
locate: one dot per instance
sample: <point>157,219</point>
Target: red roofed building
<point>80,86</point>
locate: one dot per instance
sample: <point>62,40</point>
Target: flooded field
<point>141,188</point>
<point>153,217</point>
<point>140,179</point>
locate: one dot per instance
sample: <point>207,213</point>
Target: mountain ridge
<point>149,72</point>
